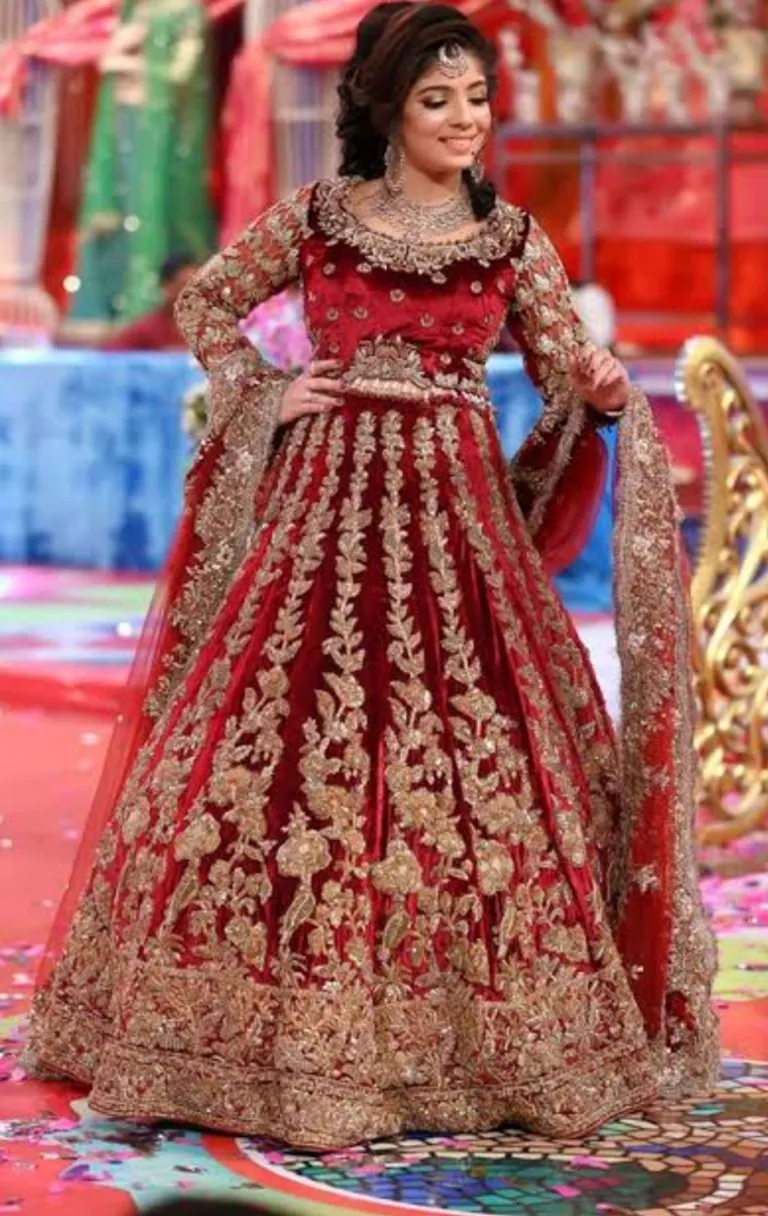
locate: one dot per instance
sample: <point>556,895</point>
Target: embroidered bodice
<point>405,321</point>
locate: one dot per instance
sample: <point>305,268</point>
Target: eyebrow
<point>481,82</point>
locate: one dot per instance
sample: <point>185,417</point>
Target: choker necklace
<point>421,223</point>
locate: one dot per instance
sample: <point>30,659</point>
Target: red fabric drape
<point>77,96</point>
<point>157,643</point>
<point>75,37</point>
<point>660,928</point>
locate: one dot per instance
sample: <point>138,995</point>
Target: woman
<point>367,862</point>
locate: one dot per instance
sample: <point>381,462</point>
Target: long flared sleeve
<point>262,261</point>
<point>543,319</point>
<point>223,484</point>
<point>544,323</point>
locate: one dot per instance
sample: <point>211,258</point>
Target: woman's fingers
<point>602,376</point>
<point>321,367</point>
<point>321,384</point>
<point>320,401</point>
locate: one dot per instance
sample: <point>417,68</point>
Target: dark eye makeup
<point>436,103</point>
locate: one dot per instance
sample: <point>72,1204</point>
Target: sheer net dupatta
<point>218,522</point>
<point>659,920</point>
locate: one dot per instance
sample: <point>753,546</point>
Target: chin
<point>455,165</point>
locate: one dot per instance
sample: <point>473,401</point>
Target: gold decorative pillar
<point>730,596</point>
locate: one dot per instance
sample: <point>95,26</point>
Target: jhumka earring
<point>394,161</point>
<point>477,171</point>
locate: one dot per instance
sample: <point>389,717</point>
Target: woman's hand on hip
<point>315,391</point>
<point>600,379</point>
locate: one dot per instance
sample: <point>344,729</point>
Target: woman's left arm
<point>559,355</point>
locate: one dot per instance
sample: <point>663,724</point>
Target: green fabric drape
<point>146,193</point>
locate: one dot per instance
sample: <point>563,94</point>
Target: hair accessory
<point>452,60</point>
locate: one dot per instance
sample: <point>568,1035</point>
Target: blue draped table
<point>92,459</point>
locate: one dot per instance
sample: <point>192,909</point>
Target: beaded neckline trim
<point>502,231</point>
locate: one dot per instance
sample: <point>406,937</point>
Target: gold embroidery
<point>650,598</point>
<point>263,712</point>
<point>233,1089</point>
<point>540,905</point>
<point>393,369</point>
<point>497,238</point>
<point>542,317</point>
<point>280,959</point>
<point>334,763</point>
<point>418,769</point>
<point>263,260</point>
<point>539,720</point>
<point>404,981</point>
<point>244,401</point>
<point>91,932</point>
<point>303,443</point>
<point>553,633</point>
<point>225,521</point>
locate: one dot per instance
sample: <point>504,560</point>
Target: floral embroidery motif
<point>334,764</point>
<point>261,262</point>
<point>375,843</point>
<point>395,369</point>
<point>542,317</point>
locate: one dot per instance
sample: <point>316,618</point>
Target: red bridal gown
<point>364,867</point>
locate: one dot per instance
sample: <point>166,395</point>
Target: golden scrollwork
<point>730,595</point>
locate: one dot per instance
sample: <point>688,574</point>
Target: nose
<point>462,118</point>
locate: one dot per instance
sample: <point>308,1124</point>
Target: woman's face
<point>446,119</point>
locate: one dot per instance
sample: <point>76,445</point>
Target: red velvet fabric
<point>339,288</point>
<point>390,617</point>
<point>530,600</point>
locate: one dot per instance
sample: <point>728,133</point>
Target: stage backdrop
<point>92,459</point>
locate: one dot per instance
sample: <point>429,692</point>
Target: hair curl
<point>396,43</point>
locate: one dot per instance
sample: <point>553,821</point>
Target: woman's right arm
<point>259,263</point>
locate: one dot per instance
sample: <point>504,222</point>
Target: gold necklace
<point>421,223</point>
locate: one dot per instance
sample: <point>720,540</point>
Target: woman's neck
<point>423,188</point>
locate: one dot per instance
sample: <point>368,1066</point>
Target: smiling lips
<point>459,145</point>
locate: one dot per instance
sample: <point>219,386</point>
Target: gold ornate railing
<point>730,595</point>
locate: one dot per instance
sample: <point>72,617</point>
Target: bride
<point>365,856</point>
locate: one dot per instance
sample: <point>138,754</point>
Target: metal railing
<point>593,145</point>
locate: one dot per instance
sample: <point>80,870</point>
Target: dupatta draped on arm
<point>558,476</point>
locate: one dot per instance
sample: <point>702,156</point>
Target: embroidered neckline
<point>504,227</point>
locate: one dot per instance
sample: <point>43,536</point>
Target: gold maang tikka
<point>452,60</point>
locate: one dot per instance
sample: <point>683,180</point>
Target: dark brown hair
<point>396,44</point>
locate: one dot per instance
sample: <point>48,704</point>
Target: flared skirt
<point>359,881</point>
